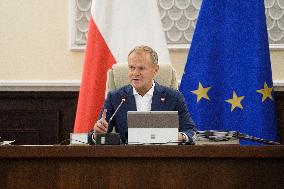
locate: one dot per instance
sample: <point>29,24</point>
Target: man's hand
<point>101,125</point>
<point>181,137</point>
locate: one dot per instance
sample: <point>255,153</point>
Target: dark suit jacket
<point>173,101</point>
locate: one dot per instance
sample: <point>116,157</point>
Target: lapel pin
<point>163,99</point>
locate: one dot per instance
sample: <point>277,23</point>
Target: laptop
<point>152,127</point>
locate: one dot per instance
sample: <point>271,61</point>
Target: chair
<point>117,76</point>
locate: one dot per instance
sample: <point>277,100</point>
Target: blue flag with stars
<point>227,81</point>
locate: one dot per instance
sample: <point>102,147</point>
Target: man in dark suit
<point>143,94</point>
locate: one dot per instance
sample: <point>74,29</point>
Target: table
<point>150,166</point>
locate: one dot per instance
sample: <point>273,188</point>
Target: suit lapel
<point>158,100</point>
<point>130,100</point>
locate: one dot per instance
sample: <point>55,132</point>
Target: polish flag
<point>116,27</point>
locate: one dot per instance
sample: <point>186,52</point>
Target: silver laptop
<point>153,127</point>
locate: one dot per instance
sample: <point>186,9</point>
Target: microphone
<point>110,138</point>
<point>122,101</point>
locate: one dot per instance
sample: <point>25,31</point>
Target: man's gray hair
<point>152,52</point>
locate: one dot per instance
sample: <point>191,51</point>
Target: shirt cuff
<point>185,136</point>
<point>93,138</point>
<point>193,138</point>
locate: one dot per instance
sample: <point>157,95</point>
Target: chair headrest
<point>166,75</point>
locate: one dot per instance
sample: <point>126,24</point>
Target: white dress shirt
<point>143,103</point>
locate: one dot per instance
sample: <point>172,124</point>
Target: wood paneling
<point>37,117</point>
<point>208,166</point>
<point>30,127</point>
<point>279,100</point>
<point>48,117</point>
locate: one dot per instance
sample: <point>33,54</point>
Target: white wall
<point>34,43</point>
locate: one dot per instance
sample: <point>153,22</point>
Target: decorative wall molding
<point>67,85</point>
<point>40,85</point>
<point>80,12</point>
<point>278,85</point>
<point>178,18</point>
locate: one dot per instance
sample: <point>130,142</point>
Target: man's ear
<point>157,69</point>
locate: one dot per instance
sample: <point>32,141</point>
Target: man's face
<point>141,71</point>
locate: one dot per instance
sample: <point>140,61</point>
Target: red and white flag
<point>116,26</point>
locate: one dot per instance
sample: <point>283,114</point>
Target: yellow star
<point>235,101</point>
<point>266,92</point>
<point>201,92</point>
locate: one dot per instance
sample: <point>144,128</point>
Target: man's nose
<point>136,72</point>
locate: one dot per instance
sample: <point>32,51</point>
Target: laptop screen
<point>153,127</point>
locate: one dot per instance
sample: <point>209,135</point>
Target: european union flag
<point>227,81</point>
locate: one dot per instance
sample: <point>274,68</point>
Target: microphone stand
<point>122,100</point>
<point>110,138</point>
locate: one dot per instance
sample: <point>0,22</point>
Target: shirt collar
<point>150,92</point>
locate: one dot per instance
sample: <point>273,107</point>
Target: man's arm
<point>187,126</point>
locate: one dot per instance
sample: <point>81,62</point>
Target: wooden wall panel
<point>48,117</point>
<point>279,100</point>
<point>30,127</point>
<point>37,117</point>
